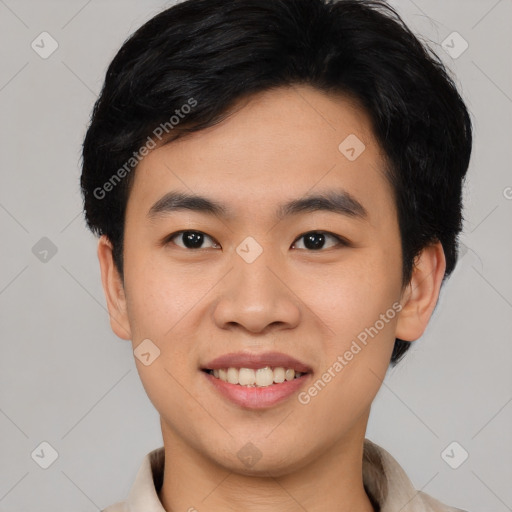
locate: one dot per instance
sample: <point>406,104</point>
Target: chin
<point>252,461</point>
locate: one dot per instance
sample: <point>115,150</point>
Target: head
<point>253,104</point>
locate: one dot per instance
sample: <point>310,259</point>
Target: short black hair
<point>206,55</point>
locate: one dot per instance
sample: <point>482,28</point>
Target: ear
<point>420,296</point>
<point>114,290</point>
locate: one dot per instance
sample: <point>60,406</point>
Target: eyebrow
<point>335,201</point>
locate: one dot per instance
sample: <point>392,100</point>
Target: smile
<point>260,377</point>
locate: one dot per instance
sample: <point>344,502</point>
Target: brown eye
<point>316,240</point>
<point>190,239</point>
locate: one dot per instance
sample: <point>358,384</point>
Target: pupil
<point>192,240</point>
<point>309,240</point>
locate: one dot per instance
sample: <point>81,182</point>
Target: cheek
<point>158,301</point>
<point>351,296</point>
<point>158,296</point>
<point>361,312</point>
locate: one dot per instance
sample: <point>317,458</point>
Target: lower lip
<point>257,397</point>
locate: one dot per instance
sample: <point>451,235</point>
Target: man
<point>277,189</point>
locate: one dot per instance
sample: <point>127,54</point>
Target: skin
<point>198,304</point>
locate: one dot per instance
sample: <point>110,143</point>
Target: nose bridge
<point>255,280</point>
<point>254,294</point>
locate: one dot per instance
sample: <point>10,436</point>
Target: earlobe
<point>420,296</point>
<point>113,289</point>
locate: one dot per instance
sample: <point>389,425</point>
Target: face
<point>315,288</point>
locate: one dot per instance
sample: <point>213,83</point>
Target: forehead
<point>281,144</point>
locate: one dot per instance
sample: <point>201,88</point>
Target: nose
<point>257,297</point>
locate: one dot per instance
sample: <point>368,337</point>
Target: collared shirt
<point>384,480</point>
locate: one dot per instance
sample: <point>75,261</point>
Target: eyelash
<point>341,241</point>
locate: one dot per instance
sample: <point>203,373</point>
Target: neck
<point>329,482</point>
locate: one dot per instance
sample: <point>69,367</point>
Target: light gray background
<point>67,380</point>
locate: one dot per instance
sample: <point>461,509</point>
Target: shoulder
<point>120,506</point>
<point>433,505</point>
<point>390,486</point>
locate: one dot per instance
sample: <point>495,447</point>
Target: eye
<point>191,239</point>
<point>315,240</point>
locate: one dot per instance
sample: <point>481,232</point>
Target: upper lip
<point>255,361</point>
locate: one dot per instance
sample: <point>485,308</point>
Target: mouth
<point>260,377</point>
<point>256,381</point>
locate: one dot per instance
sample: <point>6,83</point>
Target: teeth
<point>264,376</point>
<point>233,376</point>
<point>261,377</point>
<point>289,374</point>
<point>246,376</point>
<point>279,374</point>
